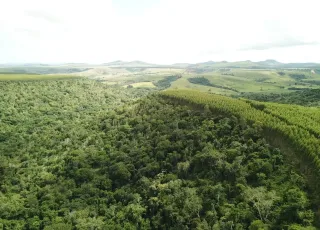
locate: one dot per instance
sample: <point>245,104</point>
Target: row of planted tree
<point>297,125</point>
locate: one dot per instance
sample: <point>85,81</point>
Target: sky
<point>158,31</point>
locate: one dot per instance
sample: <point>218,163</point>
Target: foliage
<point>206,82</point>
<point>78,154</point>
<point>200,81</point>
<point>306,97</point>
<point>296,88</point>
<point>262,200</point>
<point>297,76</point>
<point>298,126</point>
<point>166,82</point>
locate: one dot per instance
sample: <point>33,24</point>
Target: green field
<point>233,79</point>
<point>246,80</point>
<point>230,82</point>
<point>146,84</point>
<point>234,82</point>
<point>29,77</point>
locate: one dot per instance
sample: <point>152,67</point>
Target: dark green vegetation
<point>78,154</point>
<point>166,82</point>
<point>200,81</point>
<point>297,125</point>
<point>206,82</point>
<point>297,77</point>
<point>307,97</point>
<point>313,82</point>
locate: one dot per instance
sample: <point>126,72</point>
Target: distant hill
<point>198,67</point>
<point>267,64</point>
<point>302,65</point>
<point>225,64</point>
<point>129,64</point>
<point>181,65</point>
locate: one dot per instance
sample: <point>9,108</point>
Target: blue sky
<point>158,31</point>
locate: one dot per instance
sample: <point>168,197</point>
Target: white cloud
<point>166,31</point>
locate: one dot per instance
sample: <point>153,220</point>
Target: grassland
<point>31,77</point>
<point>146,84</point>
<point>248,80</point>
<point>230,82</point>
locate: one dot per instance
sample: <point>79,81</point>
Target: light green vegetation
<point>237,80</point>
<point>146,84</point>
<point>28,77</point>
<point>241,80</point>
<point>224,80</point>
<point>248,80</point>
<point>110,82</point>
<point>139,75</point>
<point>183,83</point>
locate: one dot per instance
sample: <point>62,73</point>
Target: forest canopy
<point>78,154</point>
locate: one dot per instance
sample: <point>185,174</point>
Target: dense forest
<point>306,97</point>
<point>78,154</point>
<point>166,82</point>
<point>297,126</point>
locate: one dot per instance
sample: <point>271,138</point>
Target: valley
<point>226,78</point>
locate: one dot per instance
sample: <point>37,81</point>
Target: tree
<point>119,173</point>
<point>262,200</point>
<point>293,210</point>
<point>257,225</point>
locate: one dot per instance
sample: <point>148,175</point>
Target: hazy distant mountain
<point>113,63</point>
<point>302,65</point>
<point>180,65</point>
<point>267,64</point>
<point>225,64</point>
<point>198,67</point>
<point>24,65</point>
<point>210,62</point>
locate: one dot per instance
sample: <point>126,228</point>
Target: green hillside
<point>267,64</point>
<point>296,124</point>
<point>242,81</point>
<point>308,97</point>
<point>81,154</point>
<point>271,77</point>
